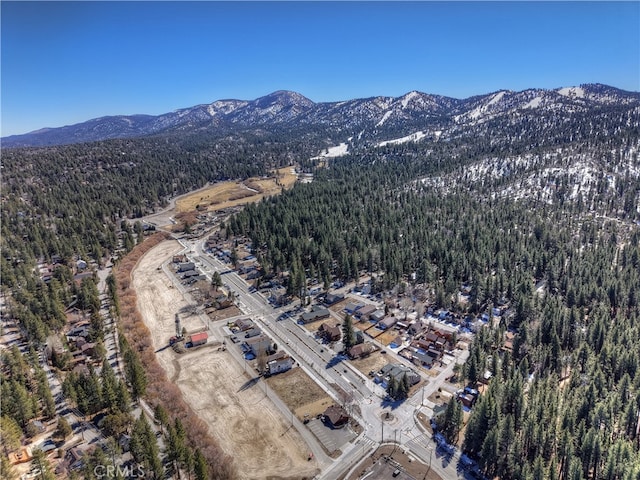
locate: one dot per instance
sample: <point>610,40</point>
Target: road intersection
<point>383,421</point>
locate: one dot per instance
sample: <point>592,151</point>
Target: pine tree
<point>135,374</point>
<point>348,334</point>
<point>63,429</point>
<point>200,467</point>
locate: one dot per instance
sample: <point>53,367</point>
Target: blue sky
<point>67,62</point>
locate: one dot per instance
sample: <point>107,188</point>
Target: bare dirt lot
<point>300,393</point>
<point>246,423</point>
<point>374,362</point>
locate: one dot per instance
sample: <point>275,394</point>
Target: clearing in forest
<point>233,193</point>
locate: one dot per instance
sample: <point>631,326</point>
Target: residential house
<point>256,345</point>
<point>397,371</point>
<point>190,274</point>
<point>317,313</point>
<point>352,307</point>
<point>279,364</point>
<point>376,316</point>
<point>245,324</point>
<point>386,323</point>
<point>88,349</point>
<point>360,350</point>
<point>332,299</point>
<point>363,313</point>
<point>329,333</point>
<point>420,357</point>
<point>335,416</point>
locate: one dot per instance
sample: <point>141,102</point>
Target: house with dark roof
<point>252,332</point>
<point>364,312</point>
<point>256,345</point>
<point>317,313</point>
<point>335,416</point>
<point>186,266</point>
<point>332,299</point>
<point>420,357</point>
<point>245,324</point>
<point>329,333</point>
<point>397,371</point>
<point>359,351</point>
<point>353,307</point>
<point>386,323</point>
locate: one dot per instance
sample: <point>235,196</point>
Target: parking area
<point>331,439</point>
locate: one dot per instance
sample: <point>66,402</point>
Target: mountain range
<point>367,119</point>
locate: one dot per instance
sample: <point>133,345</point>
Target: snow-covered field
<point>414,137</point>
<point>337,151</point>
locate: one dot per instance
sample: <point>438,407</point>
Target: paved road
<point>329,371</point>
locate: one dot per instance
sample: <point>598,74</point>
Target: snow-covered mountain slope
<point>370,121</point>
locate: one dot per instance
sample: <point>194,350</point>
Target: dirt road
<point>246,423</point>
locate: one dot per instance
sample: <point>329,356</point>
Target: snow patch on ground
<point>535,103</point>
<point>384,118</point>
<point>577,92</point>
<point>496,98</point>
<point>331,152</point>
<point>414,137</point>
<point>544,176</point>
<point>481,109</point>
<point>408,97</point>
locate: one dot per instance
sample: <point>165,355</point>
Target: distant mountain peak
<point>373,118</point>
<point>285,98</point>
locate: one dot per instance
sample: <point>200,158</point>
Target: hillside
<point>523,202</point>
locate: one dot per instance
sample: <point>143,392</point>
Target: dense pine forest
<point>565,403</point>
<point>536,212</point>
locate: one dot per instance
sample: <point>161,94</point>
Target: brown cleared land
<point>247,425</point>
<point>231,193</point>
<point>300,393</point>
<point>374,362</point>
